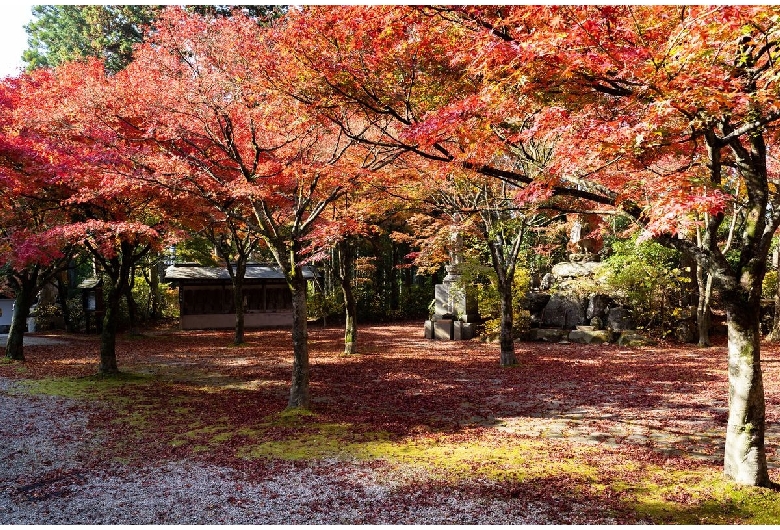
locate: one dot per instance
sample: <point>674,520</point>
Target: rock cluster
<point>566,309</point>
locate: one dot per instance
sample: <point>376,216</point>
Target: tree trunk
<point>703,311</point>
<point>14,348</point>
<point>346,259</point>
<point>745,455</point>
<point>238,302</point>
<point>299,390</point>
<point>108,335</point>
<point>506,339</point>
<point>350,311</point>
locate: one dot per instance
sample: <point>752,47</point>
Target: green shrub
<point>769,287</point>
<point>321,304</point>
<point>474,273</point>
<point>647,277</point>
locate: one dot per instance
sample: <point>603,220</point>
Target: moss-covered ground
<point>632,433</point>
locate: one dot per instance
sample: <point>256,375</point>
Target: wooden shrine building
<point>206,296</point>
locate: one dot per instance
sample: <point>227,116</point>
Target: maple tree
<point>29,168</point>
<point>108,210</point>
<point>657,111</point>
<point>678,102</point>
<point>221,128</point>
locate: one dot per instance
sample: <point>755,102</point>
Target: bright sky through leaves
<point>13,38</point>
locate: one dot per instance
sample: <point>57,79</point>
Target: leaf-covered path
<point>409,431</point>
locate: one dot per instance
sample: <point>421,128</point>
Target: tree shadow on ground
<point>670,399</point>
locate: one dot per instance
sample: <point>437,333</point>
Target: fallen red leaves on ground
<point>663,405</point>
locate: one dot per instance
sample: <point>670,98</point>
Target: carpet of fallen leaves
<point>623,414</point>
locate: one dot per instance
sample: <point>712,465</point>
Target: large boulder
<point>598,306</point>
<point>633,339</point>
<point>563,312</point>
<point>619,319</point>
<point>582,335</point>
<point>569,269</point>
<point>547,335</point>
<point>535,302</point>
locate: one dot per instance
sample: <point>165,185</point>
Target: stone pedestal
<point>463,331</point>
<point>443,329</point>
<point>455,311</point>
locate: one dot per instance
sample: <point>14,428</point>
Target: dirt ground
<point>581,433</point>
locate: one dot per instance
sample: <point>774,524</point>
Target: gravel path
<point>31,340</point>
<point>48,476</point>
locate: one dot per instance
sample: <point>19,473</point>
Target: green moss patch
<point>702,497</point>
<point>91,387</point>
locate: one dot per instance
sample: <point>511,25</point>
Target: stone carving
<point>452,303</point>
<point>584,242</point>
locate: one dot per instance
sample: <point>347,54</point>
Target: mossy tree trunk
<point>116,283</point>
<point>112,294</point>
<point>745,454</point>
<point>299,389</point>
<point>346,254</point>
<point>285,236</point>
<point>505,273</point>
<point>26,288</point>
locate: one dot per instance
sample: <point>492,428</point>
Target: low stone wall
<point>590,335</point>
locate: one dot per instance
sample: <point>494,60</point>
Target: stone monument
<point>455,308</point>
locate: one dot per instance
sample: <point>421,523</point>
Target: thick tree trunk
<point>745,455</point>
<point>506,339</point>
<point>108,363</point>
<point>14,348</point>
<point>299,390</point>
